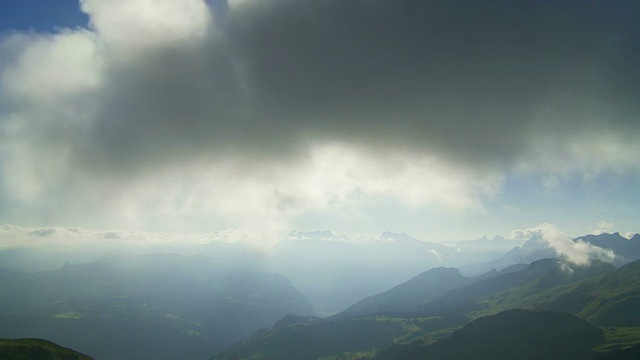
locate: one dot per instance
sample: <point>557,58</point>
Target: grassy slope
<point>336,339</point>
<point>36,349</point>
<point>513,334</point>
<point>606,300</point>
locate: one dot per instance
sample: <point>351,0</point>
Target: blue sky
<point>43,16</point>
<point>446,121</point>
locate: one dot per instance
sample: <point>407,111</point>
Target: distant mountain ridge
<point>405,297</point>
<point>536,248</point>
<point>626,249</point>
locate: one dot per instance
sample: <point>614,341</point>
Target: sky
<point>448,120</point>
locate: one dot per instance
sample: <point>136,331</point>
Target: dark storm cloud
<point>468,80</point>
<point>174,113</point>
<point>436,71</point>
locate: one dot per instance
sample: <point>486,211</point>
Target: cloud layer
<point>256,111</point>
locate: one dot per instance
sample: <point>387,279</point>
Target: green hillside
<point>535,279</point>
<point>335,339</point>
<point>36,349</point>
<point>513,334</point>
<point>608,299</point>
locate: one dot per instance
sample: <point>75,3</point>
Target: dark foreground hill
<point>335,339</point>
<point>513,334</point>
<point>36,349</point>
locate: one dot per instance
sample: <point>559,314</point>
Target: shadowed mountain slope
<point>331,339</point>
<point>513,334</point>
<point>420,289</point>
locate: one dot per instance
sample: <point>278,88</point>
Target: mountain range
<point>450,323</point>
<point>365,299</point>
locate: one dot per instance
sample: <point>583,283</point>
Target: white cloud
<point>50,67</point>
<point>265,199</point>
<point>603,227</point>
<point>603,224</point>
<point>521,235</point>
<point>99,241</point>
<point>576,252</point>
<point>134,26</point>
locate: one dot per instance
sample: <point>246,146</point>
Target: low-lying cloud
<point>577,252</point>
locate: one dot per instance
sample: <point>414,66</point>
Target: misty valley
<point>320,296</point>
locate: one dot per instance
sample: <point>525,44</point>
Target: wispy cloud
<point>603,227</point>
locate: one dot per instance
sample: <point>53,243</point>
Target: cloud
<point>102,241</point>
<point>576,252</point>
<point>47,68</point>
<point>257,111</point>
<point>603,227</point>
<point>135,27</point>
<point>263,201</point>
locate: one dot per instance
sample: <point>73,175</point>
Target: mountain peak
<point>407,296</point>
<point>402,237</point>
<point>442,271</point>
<point>326,235</point>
